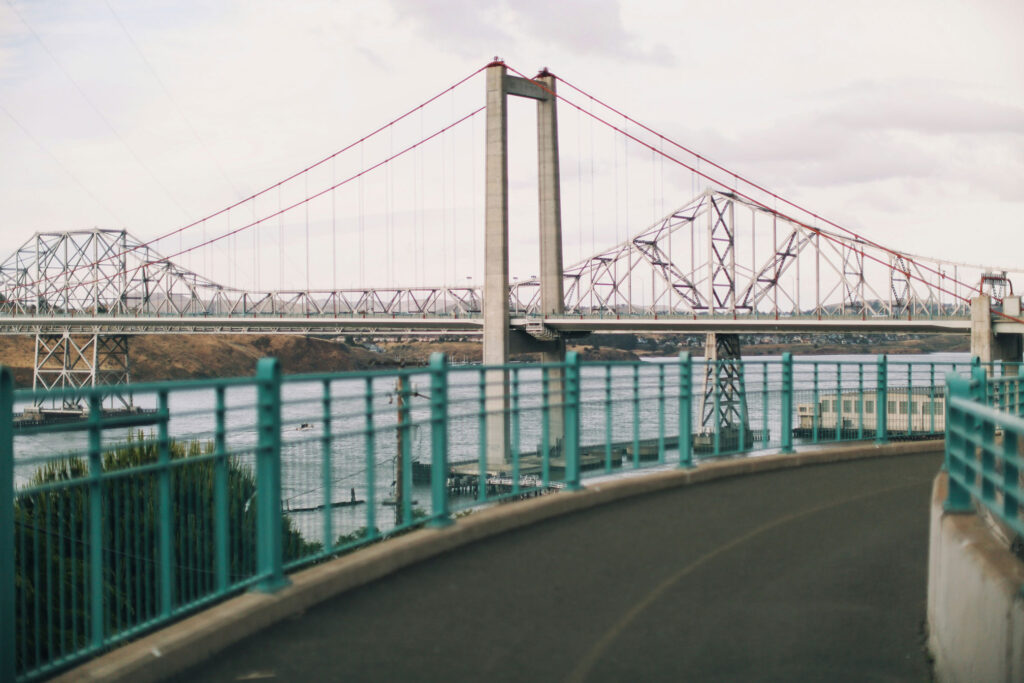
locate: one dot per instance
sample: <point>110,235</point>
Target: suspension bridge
<point>433,197</point>
<point>430,195</point>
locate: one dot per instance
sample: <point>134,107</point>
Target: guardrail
<point>117,523</point>
<point>982,467</point>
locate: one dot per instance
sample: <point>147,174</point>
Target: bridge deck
<point>412,324</point>
<point>817,573</point>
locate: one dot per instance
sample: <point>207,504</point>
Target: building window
<point>903,407</point>
<point>847,405</point>
<point>869,406</point>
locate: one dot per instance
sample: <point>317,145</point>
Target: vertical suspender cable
<point>362,225</point>
<point>625,226</point>
<point>280,242</point>
<point>593,211</point>
<point>306,207</point>
<point>255,249</point>
<point>388,237</point>
<point>455,216</point>
<point>334,235</point>
<point>205,251</point>
<point>422,207</point>
<point>444,216</point>
<point>475,226</point>
<point>579,187</point>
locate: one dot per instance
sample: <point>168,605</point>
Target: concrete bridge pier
<point>985,343</point>
<point>498,341</point>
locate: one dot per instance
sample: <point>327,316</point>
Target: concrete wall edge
<point>975,614</point>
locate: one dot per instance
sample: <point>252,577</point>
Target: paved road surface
<point>815,574</point>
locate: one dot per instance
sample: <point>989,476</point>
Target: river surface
<point>327,460</point>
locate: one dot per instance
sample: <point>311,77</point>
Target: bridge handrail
<point>984,469</point>
<point>146,516</point>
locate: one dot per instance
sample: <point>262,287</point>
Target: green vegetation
<point>53,545</point>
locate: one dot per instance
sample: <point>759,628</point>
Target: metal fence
<point>983,446</point>
<point>115,522</point>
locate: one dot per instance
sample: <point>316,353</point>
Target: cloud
<point>590,27</point>
<point>873,133</point>
<point>923,107</point>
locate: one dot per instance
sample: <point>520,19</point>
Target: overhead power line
<point>174,103</point>
<point>81,92</point>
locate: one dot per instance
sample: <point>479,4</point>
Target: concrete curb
<point>192,640</point>
<point>975,603</point>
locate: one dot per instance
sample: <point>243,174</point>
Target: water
<point>309,479</point>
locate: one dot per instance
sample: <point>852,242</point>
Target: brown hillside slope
<point>159,357</point>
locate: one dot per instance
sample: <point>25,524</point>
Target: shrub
<point>53,543</point>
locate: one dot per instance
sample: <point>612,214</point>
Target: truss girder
<point>700,260</point>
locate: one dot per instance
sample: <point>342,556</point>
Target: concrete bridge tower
<point>498,339</point>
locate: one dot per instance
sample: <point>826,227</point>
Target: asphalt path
<point>811,574</point>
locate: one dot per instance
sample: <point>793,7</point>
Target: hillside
<point>159,357</point>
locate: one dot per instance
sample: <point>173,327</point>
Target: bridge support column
<point>725,425</point>
<point>985,343</point>
<point>495,303</point>
<point>496,342</point>
<point>552,296</point>
<point>69,362</point>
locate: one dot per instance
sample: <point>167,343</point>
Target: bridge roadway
<point>416,324</point>
<point>816,573</point>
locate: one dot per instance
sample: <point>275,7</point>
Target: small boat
<point>304,427</point>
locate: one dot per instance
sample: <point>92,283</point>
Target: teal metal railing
<point>121,521</point>
<point>983,445</point>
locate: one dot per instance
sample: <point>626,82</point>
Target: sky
<point>902,120</point>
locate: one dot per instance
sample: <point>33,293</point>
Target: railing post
<point>221,532</point>
<point>881,401</point>
<point>572,421</point>
<point>440,516</point>
<point>96,606</point>
<point>786,409</point>
<point>685,410</point>
<point>269,540</point>
<point>979,385</point>
<point>958,498</point>
<point>7,650</point>
<point>165,534</point>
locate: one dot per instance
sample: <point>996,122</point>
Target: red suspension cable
<point>281,211</point>
<point>680,162</point>
<point>270,188</point>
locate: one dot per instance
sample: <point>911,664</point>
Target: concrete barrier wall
<point>975,601</point>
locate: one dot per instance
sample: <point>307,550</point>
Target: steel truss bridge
<point>724,262</point>
<point>719,263</point>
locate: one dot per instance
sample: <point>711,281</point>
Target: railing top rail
<point>987,413</point>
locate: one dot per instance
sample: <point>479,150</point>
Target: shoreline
<point>170,357</point>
